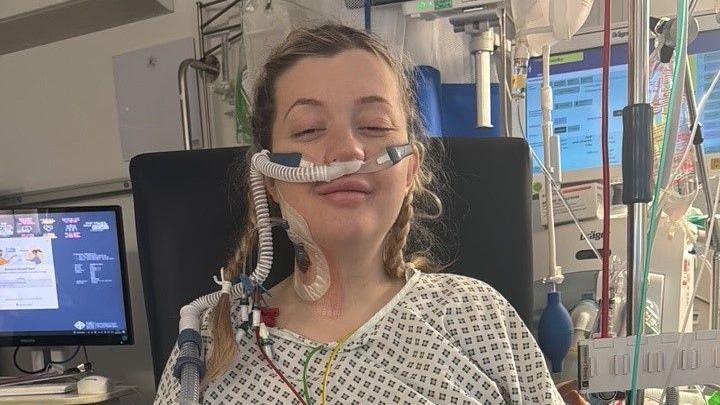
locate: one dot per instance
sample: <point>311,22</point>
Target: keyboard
<point>38,389</point>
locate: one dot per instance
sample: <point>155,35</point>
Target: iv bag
<point>545,22</point>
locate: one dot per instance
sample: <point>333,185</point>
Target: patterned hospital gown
<point>443,339</point>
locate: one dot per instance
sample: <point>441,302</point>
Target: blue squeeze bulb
<point>555,331</point>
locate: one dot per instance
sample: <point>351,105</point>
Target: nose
<point>343,145</point>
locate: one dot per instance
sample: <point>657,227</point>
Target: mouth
<point>345,192</point>
<point>345,185</point>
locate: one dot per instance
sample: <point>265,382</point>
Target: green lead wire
<point>306,391</point>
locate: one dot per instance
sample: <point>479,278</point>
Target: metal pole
<point>714,233</point>
<point>184,102</point>
<point>203,98</point>
<point>211,3</point>
<point>219,30</point>
<point>554,271</point>
<point>638,72</point>
<point>231,39</point>
<point>715,300</point>
<point>505,111</point>
<point>219,13</point>
<point>482,45</point>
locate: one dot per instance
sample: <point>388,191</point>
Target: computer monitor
<point>63,277</point>
<point>576,77</point>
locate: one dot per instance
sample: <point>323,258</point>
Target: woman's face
<point>342,108</point>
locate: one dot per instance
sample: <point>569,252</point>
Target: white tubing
<point>303,174</point>
<point>190,314</point>
<point>262,215</point>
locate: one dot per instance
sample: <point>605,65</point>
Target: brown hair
<point>419,204</point>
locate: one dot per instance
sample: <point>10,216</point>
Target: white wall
<point>57,104</point>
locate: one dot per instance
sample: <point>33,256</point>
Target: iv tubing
<point>556,187</point>
<point>654,215</point>
<point>674,104</point>
<point>605,304</point>
<point>701,108</point>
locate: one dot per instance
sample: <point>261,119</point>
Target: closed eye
<point>308,133</point>
<point>378,129</point>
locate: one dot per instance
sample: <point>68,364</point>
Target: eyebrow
<point>302,101</point>
<point>372,99</point>
<point>318,103</point>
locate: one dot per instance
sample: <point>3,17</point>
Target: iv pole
<point>637,120</point>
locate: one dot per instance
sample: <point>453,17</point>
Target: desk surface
<point>71,397</point>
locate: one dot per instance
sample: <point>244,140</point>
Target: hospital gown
<point>443,339</point>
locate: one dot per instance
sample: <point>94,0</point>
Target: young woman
<point>381,330</point>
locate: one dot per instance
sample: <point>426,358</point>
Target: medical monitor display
<point>576,78</point>
<point>63,277</point>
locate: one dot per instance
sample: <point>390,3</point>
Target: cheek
<point>393,192</point>
<point>293,193</point>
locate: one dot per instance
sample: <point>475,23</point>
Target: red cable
<point>278,372</point>
<point>605,309</point>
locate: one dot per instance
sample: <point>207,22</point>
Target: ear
<point>413,167</point>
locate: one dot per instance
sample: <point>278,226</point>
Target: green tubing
<point>675,93</point>
<point>715,399</point>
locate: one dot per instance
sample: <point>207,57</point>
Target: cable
<point>605,305</point>
<point>278,372</point>
<point>654,215</point>
<point>328,365</point>
<point>22,370</point>
<point>304,375</point>
<point>87,360</point>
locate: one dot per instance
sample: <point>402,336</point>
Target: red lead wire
<point>278,372</point>
<point>605,308</point>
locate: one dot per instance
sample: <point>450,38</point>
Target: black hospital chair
<point>188,212</point>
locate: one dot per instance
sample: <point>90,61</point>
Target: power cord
<point>22,370</point>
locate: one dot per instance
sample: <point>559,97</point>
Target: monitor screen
<point>576,79</point>
<point>63,277</point>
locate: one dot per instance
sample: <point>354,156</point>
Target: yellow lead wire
<point>328,365</point>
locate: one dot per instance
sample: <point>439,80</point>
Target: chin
<point>344,227</point>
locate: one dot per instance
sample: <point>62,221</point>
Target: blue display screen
<point>576,79</point>
<point>61,273</point>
